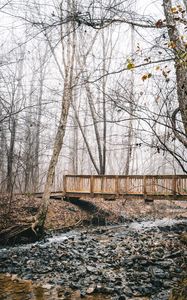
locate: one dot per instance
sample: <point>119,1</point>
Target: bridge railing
<point>166,185</point>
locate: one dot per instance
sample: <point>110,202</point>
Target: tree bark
<point>180,63</point>
<point>59,138</point>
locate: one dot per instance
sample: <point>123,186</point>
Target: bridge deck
<point>111,186</point>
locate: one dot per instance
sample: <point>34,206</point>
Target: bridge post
<point>174,185</point>
<point>92,186</point>
<point>64,184</point>
<point>117,185</point>
<point>144,186</point>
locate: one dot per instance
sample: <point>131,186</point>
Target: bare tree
<point>179,50</point>
<point>69,61</point>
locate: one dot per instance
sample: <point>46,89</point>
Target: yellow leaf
<point>144,77</point>
<point>157,68</point>
<point>174,10</point>
<point>130,64</point>
<point>172,45</point>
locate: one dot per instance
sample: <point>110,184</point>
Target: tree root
<point>23,232</point>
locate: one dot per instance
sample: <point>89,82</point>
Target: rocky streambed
<point>138,260</point>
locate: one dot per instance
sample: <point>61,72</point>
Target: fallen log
<point>19,233</point>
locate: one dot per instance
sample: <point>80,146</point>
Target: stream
<point>138,260</point>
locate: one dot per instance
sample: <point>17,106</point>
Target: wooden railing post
<point>174,185</point>
<point>64,184</point>
<point>117,185</point>
<point>92,186</point>
<point>144,186</point>
<point>126,185</point>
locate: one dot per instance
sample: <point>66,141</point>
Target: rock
<point>14,277</point>
<point>82,294</point>
<point>4,256</point>
<point>157,254</point>
<point>157,283</point>
<point>163,295</point>
<point>127,291</point>
<point>166,263</point>
<point>157,272</point>
<point>91,289</point>
<point>47,286</point>
<point>108,290</point>
<point>43,246</point>
<point>60,281</point>
<point>99,287</point>
<point>74,209</point>
<point>28,277</point>
<point>91,269</point>
<point>167,284</point>
<point>183,237</point>
<point>122,297</point>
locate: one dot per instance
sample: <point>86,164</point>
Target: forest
<point>93,88</point>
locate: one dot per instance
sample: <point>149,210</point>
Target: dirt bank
<point>62,214</point>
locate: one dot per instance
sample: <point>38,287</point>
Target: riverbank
<point>63,214</point>
<point>135,260</point>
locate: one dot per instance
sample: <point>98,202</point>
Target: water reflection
<point>20,290</point>
<point>25,290</point>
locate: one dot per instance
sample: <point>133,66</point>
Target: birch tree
<point>69,61</point>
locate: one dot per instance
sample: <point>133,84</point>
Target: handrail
<point>155,185</point>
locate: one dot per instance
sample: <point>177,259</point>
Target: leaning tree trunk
<point>66,101</point>
<point>54,159</point>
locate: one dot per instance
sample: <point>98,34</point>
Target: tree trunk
<point>180,63</point>
<point>56,151</point>
<point>10,158</point>
<point>59,138</point>
<point>131,110</point>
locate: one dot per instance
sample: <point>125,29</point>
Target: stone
<point>47,286</point>
<point>122,297</point>
<point>157,272</point>
<point>4,256</point>
<point>91,289</point>
<point>91,269</point>
<point>82,294</point>
<point>14,277</point>
<point>28,277</point>
<point>60,281</point>
<point>127,291</point>
<point>166,263</point>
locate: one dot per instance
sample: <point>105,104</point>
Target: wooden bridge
<point>111,187</point>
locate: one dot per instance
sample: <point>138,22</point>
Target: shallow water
<point>15,289</point>
<point>20,290</point>
<point>137,225</point>
<point>156,223</point>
